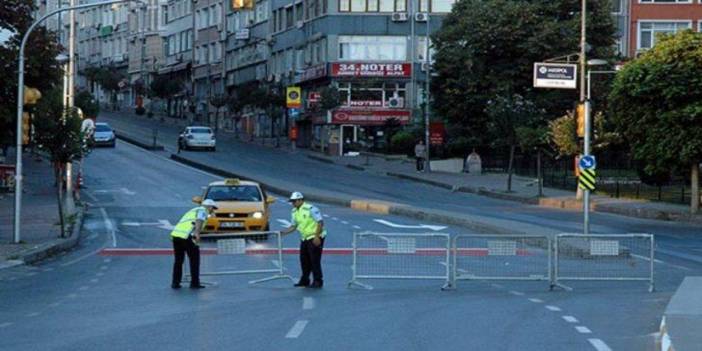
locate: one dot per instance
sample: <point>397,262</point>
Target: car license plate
<point>231,225</point>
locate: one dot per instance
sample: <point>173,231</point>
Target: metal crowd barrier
<point>609,257</point>
<point>400,256</point>
<point>501,257</point>
<point>240,254</point>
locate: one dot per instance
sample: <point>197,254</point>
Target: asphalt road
<point>87,300</point>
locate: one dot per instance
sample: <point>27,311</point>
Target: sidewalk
<point>495,185</point>
<point>39,227</point>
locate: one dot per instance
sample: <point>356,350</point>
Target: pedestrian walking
<point>186,238</point>
<point>307,220</point>
<point>420,154</point>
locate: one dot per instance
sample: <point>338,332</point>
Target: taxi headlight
<point>258,215</point>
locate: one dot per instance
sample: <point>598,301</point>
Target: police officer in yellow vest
<point>307,220</point>
<point>185,237</point>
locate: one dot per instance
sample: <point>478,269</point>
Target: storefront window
<point>359,47</point>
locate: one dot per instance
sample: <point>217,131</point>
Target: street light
<point>20,100</point>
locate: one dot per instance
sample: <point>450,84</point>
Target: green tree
<point>42,71</point>
<point>85,101</point>
<point>494,44</point>
<point>656,103</point>
<point>58,133</point>
<point>165,88</point>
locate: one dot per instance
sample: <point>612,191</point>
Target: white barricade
<point>613,257</point>
<point>501,257</point>
<point>238,254</point>
<point>400,256</point>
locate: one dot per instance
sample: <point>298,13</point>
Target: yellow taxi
<point>242,206</point>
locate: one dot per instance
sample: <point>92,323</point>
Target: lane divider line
<point>297,329</point>
<point>583,330</point>
<point>553,308</point>
<point>599,345</point>
<point>516,293</point>
<point>5,325</point>
<point>536,300</point>
<point>570,319</point>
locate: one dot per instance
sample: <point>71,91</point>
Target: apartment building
<point>178,38</point>
<point>652,17</point>
<point>145,48</point>
<point>207,68</point>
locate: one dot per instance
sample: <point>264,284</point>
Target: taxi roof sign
<point>232,181</point>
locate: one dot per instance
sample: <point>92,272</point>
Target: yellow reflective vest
<point>306,225</point>
<point>186,224</point>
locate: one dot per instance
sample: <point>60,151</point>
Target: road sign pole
<point>586,149</point>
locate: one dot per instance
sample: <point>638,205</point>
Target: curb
<point>58,245</point>
<point>139,143</point>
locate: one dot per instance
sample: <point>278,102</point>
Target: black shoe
<point>316,285</point>
<point>197,286</point>
<point>175,286</point>
<point>301,284</point>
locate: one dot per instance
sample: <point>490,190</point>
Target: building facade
<point>178,38</point>
<point>652,17</point>
<point>208,68</point>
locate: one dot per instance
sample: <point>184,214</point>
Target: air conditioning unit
<point>421,16</point>
<point>396,102</point>
<point>269,38</point>
<point>399,17</point>
<point>425,66</point>
<point>270,78</point>
<point>300,24</point>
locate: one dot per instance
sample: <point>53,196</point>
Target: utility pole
<point>192,104</point>
<point>427,97</point>
<point>586,102</point>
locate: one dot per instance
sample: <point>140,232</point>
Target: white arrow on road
<point>120,190</point>
<point>284,223</point>
<point>421,226</point>
<point>162,223</point>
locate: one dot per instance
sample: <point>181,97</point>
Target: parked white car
<point>104,135</point>
<point>197,137</point>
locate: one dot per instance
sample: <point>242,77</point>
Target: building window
<point>289,17</point>
<point>616,7</point>
<point>648,30</point>
<point>383,48</point>
<point>441,6</point>
<point>370,5</point>
<point>298,12</point>
<point>364,95</point>
<point>665,1</point>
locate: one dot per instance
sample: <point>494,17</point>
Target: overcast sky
<point>4,35</point>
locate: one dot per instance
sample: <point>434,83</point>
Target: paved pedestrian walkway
<point>39,217</point>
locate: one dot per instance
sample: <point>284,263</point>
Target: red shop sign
<point>370,69</point>
<point>369,117</point>
<point>436,133</point>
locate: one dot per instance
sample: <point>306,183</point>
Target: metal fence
<point>613,257</point>
<point>400,256</point>
<point>501,257</point>
<point>243,254</point>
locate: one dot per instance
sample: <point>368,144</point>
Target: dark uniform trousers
<point>180,248</point>
<point>311,261</point>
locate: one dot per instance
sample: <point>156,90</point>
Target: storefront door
<point>349,138</point>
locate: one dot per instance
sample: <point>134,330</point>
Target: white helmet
<point>210,203</point>
<point>296,196</point>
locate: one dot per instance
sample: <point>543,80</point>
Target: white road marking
<point>108,226</point>
<point>30,274</point>
<point>55,304</point>
<point>284,223</point>
<point>661,262</point>
<point>570,319</point>
<point>5,325</point>
<point>83,288</point>
<point>33,314</point>
<point>296,330</point>
<point>82,257</point>
<point>161,223</point>
<point>599,345</point>
<point>421,226</point>
<point>356,227</point>
<point>107,260</point>
<point>94,280</point>
<point>334,218</point>
<point>308,303</point>
<point>276,263</point>
<point>344,222</point>
<point>325,215</point>
<point>536,300</point>
<point>516,293</point>
<point>553,308</point>
<point>103,267</point>
<point>498,286</point>
<point>99,274</point>
<point>583,330</point>
<point>72,296</point>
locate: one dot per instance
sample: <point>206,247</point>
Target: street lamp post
<point>20,106</point>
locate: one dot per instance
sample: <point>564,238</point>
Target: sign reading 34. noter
<point>555,75</point>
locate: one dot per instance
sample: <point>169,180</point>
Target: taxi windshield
<point>249,193</point>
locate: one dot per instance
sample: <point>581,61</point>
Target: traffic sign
<point>555,75</point>
<point>294,112</point>
<point>293,97</point>
<point>586,181</point>
<point>587,162</point>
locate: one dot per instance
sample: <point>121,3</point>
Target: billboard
<point>555,75</point>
